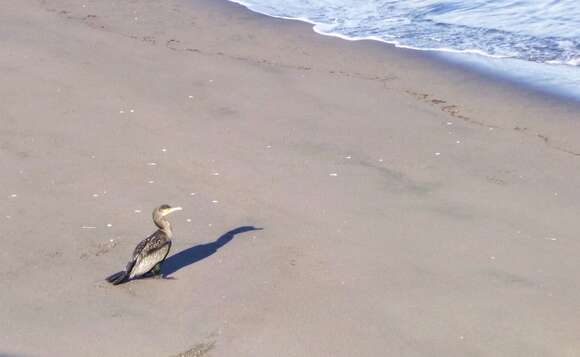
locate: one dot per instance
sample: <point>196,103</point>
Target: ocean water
<point>531,41</point>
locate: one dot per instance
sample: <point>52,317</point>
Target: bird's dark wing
<point>149,244</point>
<point>141,247</point>
<point>153,242</point>
<point>130,265</point>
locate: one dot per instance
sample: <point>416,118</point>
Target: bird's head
<point>164,210</point>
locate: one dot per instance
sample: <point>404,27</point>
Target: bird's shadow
<point>199,252</point>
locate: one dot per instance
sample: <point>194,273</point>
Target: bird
<point>151,251</point>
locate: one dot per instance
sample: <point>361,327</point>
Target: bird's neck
<point>163,224</point>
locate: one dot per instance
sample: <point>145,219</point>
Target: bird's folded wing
<point>131,264</point>
<point>154,243</point>
<point>141,246</point>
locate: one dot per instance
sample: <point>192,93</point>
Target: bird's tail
<point>118,278</point>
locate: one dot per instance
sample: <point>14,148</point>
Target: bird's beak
<point>173,209</point>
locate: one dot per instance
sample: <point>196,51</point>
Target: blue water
<point>534,41</point>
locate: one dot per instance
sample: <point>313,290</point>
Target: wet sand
<point>407,207</point>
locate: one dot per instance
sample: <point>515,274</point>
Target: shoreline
<point>550,116</point>
<point>468,60</point>
<point>407,207</point>
<point>425,58</point>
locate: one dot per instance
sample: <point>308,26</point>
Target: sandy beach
<point>340,198</point>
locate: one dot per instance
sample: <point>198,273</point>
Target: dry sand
<point>408,207</point>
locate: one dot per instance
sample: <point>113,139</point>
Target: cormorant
<point>151,252</point>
